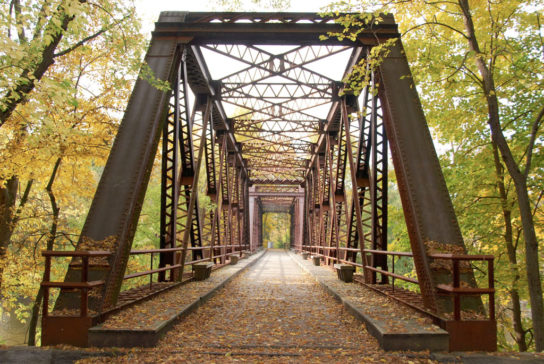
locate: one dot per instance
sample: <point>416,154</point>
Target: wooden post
<point>456,298</point>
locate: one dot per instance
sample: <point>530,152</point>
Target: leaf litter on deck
<point>273,312</point>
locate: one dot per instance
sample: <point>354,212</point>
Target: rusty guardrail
<point>85,285</point>
<point>471,334</point>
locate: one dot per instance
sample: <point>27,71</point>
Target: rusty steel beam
<point>276,194</point>
<point>118,199</point>
<point>169,181</point>
<point>200,28</point>
<point>427,206</point>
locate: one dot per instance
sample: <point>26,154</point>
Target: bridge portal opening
<point>276,230</point>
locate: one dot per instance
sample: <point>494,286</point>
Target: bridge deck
<point>273,311</point>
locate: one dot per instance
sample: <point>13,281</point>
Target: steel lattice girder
<point>290,114</point>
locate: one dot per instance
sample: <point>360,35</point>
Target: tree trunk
<point>50,243</point>
<point>519,332</point>
<point>8,195</point>
<point>520,182</point>
<point>8,216</point>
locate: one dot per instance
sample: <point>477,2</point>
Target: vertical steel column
<point>169,175</point>
<point>186,219</point>
<point>186,173</point>
<point>300,221</point>
<point>221,224</point>
<point>245,213</point>
<point>310,210</point>
<point>307,217</point>
<point>378,185</point>
<point>339,189</point>
<point>360,181</point>
<point>259,218</point>
<point>192,227</point>
<point>332,232</point>
<point>323,196</point>
<point>252,226</point>
<point>236,205</point>
<point>230,177</point>
<point>317,217</point>
<point>292,226</point>
<point>239,205</point>
<point>210,224</point>
<point>225,198</point>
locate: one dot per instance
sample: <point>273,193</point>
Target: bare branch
<point>456,70</point>
<point>534,132</point>
<point>90,37</point>
<point>436,23</point>
<point>538,201</point>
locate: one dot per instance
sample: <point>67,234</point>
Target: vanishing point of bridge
<point>257,116</point>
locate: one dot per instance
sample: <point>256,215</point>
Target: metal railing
<point>455,290</point>
<point>84,285</point>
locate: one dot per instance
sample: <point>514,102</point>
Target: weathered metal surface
<point>260,28</point>
<point>117,203</point>
<point>472,335</point>
<point>425,199</point>
<point>66,330</point>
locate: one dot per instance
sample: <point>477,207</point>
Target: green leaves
<point>73,112</point>
<point>146,73</point>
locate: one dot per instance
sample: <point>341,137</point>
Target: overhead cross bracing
<point>278,98</point>
<point>276,90</point>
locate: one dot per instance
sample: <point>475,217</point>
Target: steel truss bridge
<point>257,111</point>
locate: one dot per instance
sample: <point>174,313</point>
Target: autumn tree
<point>35,35</point>
<point>477,65</point>
<point>55,143</point>
<point>276,229</point>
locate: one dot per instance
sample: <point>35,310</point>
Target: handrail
<point>461,256</point>
<point>454,289</point>
<point>85,285</point>
<point>236,248</point>
<point>75,253</point>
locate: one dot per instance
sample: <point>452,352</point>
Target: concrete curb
<point>127,338</point>
<point>37,355</point>
<point>433,341</point>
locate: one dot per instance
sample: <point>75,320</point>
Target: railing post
<point>211,251</point>
<point>456,297</point>
<point>46,278</point>
<point>372,263</point>
<point>491,279</point>
<point>393,270</point>
<point>84,293</point>
<point>151,275</point>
